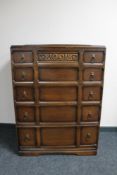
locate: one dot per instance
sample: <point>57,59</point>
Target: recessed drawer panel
<point>90,113</point>
<point>25,114</point>
<point>92,74</point>
<point>89,135</point>
<point>93,57</point>
<point>58,114</point>
<point>27,136</point>
<point>58,93</point>
<point>22,57</point>
<point>24,94</point>
<point>58,136</point>
<point>58,74</point>
<point>23,74</point>
<point>92,93</point>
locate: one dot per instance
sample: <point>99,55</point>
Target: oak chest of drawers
<point>57,97</point>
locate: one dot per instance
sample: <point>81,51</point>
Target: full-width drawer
<point>92,74</point>
<point>23,74</point>
<point>22,56</point>
<point>24,93</point>
<point>58,74</point>
<point>58,93</point>
<point>58,113</point>
<point>92,93</point>
<point>58,136</point>
<point>93,57</point>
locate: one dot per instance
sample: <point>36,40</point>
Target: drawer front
<point>22,57</point>
<point>90,113</point>
<point>92,74</point>
<point>27,136</point>
<point>24,94</point>
<point>25,114</point>
<point>93,57</point>
<point>92,93</point>
<point>89,135</point>
<point>58,93</point>
<point>58,74</point>
<point>23,74</point>
<point>58,136</point>
<point>58,114</point>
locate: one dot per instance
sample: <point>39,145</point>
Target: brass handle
<point>25,115</point>
<point>93,58</point>
<point>89,116</point>
<point>92,76</point>
<point>22,58</point>
<point>91,94</point>
<point>24,93</point>
<point>23,75</point>
<point>27,137</point>
<point>88,136</point>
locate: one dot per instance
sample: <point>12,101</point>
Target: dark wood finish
<point>57,97</point>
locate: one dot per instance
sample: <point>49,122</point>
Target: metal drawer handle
<point>93,58</point>
<point>27,138</point>
<point>25,115</point>
<point>92,76</point>
<point>88,136</point>
<point>89,116</point>
<point>24,93</point>
<point>23,75</point>
<point>91,94</point>
<point>22,58</point>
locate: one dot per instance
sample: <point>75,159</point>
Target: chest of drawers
<point>57,97</point>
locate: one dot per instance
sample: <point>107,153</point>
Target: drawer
<point>25,114</point>
<point>93,57</point>
<point>58,136</point>
<point>22,57</point>
<point>90,113</point>
<point>88,135</point>
<point>58,93</point>
<point>24,93</point>
<point>58,114</point>
<point>23,74</point>
<point>92,74</point>
<point>27,136</point>
<point>92,93</point>
<point>58,74</point>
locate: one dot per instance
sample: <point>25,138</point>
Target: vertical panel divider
<point>36,93</point>
<point>79,101</point>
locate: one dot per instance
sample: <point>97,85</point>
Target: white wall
<point>59,21</point>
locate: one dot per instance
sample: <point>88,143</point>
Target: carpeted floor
<point>105,163</point>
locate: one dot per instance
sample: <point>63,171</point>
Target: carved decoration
<point>58,57</point>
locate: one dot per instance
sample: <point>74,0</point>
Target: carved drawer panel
<point>27,136</point>
<point>93,57</point>
<point>58,114</point>
<point>24,94</point>
<point>58,136</point>
<point>25,114</point>
<point>23,74</point>
<point>92,93</point>
<point>93,74</point>
<point>89,135</point>
<point>58,93</point>
<point>58,74</point>
<point>22,57</point>
<point>90,113</point>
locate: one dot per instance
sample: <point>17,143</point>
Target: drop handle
<point>89,116</point>
<point>91,95</point>
<point>25,115</point>
<point>88,136</point>
<point>93,58</point>
<point>92,76</point>
<point>22,58</point>
<point>27,137</point>
<point>24,94</point>
<point>23,75</point>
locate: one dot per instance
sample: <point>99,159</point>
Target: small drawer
<point>58,136</point>
<point>93,74</point>
<point>23,74</point>
<point>58,113</point>
<point>25,114</point>
<point>27,136</point>
<point>88,135</point>
<point>22,57</point>
<point>93,57</point>
<point>92,93</point>
<point>58,93</point>
<point>24,94</point>
<point>90,113</point>
<point>58,74</point>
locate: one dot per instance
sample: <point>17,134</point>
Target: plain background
<point>59,22</point>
